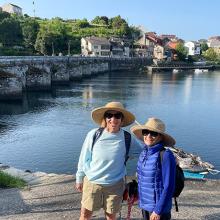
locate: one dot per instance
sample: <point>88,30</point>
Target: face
<point>151,137</point>
<point>113,121</point>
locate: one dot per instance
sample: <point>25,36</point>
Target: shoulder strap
<point>161,154</point>
<point>96,136</point>
<point>161,159</point>
<point>127,144</point>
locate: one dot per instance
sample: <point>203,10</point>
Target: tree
<point>81,23</point>
<point>4,15</point>
<point>103,20</point>
<point>10,32</point>
<point>41,41</point>
<point>210,54</point>
<point>181,51</point>
<point>204,47</point>
<point>30,28</point>
<point>117,22</point>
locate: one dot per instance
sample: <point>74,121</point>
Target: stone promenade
<point>53,197</point>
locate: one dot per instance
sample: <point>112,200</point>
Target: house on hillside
<point>214,43</point>
<point>172,44</point>
<point>170,37</point>
<point>12,9</point>
<point>164,52</point>
<point>144,47</point>
<point>95,46</point>
<point>120,47</point>
<point>193,48</point>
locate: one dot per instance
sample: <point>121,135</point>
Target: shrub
<point>8,181</point>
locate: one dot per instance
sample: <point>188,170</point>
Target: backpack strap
<point>176,205</point>
<point>161,159</point>
<point>161,154</point>
<point>127,144</point>
<point>96,136</point>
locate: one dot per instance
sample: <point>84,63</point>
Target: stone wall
<point>39,73</point>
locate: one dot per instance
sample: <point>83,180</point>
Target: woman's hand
<point>154,216</point>
<point>79,187</point>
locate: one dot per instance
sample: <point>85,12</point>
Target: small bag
<point>131,190</point>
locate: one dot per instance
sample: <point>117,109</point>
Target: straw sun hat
<point>153,124</point>
<point>98,113</point>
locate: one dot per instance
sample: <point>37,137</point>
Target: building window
<point>95,47</point>
<point>105,47</point>
<point>105,53</point>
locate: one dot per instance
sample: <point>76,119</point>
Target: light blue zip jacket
<point>105,164</point>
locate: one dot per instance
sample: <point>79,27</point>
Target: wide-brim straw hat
<point>154,124</point>
<point>98,113</point>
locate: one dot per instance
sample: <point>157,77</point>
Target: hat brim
<point>137,131</point>
<point>98,115</point>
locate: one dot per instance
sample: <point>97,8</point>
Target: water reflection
<point>46,130</point>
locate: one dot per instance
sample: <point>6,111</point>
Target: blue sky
<point>188,19</point>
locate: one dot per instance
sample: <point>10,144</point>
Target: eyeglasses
<point>145,132</point>
<point>109,115</point>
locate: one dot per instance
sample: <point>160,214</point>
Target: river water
<point>45,132</point>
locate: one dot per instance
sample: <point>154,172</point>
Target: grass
<point>8,181</point>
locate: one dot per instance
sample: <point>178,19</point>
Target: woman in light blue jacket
<point>101,168</point>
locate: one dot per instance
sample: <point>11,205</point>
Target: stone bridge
<point>18,74</point>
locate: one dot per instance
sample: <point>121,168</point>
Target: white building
<point>12,9</point>
<point>95,46</point>
<point>193,48</point>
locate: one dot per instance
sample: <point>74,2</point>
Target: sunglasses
<point>110,115</point>
<point>145,132</point>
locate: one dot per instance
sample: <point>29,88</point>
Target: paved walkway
<point>53,197</point>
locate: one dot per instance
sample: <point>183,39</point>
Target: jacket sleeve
<point>168,177</point>
<point>85,156</point>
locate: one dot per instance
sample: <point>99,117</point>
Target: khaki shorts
<point>109,198</point>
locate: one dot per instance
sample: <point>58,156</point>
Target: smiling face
<point>113,121</point>
<point>151,138</point>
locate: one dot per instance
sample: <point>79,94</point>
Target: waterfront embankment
<point>18,74</point>
<point>54,197</point>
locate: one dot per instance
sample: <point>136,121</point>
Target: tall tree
<point>204,47</point>
<point>30,28</point>
<point>103,20</point>
<point>181,51</point>
<point>4,15</point>
<point>10,32</point>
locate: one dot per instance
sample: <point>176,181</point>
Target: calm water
<point>45,132</point>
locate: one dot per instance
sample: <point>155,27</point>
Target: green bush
<point>8,181</point>
<point>11,51</point>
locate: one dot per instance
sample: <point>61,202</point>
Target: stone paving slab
<point>53,197</point>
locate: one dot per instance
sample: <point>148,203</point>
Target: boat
<point>201,70</point>
<point>190,175</point>
<point>193,166</point>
